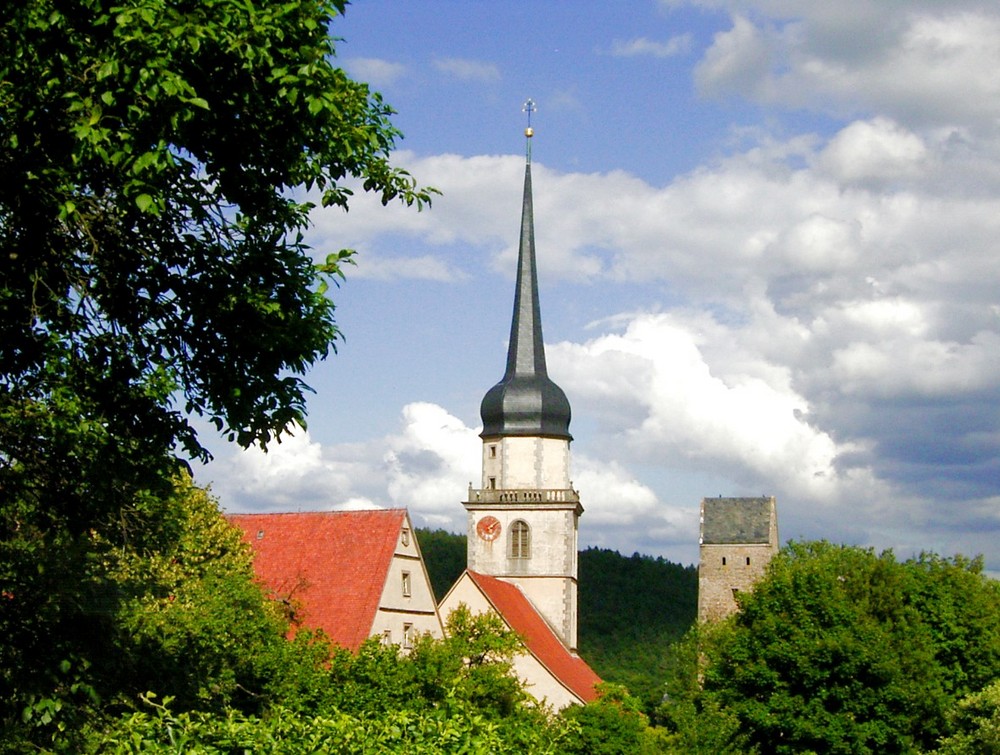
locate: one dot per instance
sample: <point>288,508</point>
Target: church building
<point>522,521</point>
<point>360,574</point>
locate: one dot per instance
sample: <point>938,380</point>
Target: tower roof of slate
<point>526,402</point>
<point>736,521</point>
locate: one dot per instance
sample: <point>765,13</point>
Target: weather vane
<point>529,108</point>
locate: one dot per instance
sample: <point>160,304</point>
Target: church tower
<point>522,521</point>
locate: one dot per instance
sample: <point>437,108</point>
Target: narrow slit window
<point>406,584</point>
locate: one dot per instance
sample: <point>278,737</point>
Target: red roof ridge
<point>510,602</point>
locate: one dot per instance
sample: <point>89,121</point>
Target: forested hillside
<point>631,608</point>
<point>445,555</point>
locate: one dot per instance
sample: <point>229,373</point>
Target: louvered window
<point>520,540</point>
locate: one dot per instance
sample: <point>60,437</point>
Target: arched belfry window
<point>520,539</point>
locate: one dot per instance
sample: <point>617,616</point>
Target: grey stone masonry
<point>739,536</point>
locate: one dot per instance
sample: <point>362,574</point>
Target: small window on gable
<point>407,635</point>
<point>405,536</point>
<point>520,539</point>
<point>493,452</point>
<point>406,584</point>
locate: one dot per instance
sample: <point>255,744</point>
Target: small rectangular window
<point>723,560</point>
<point>405,536</point>
<point>387,637</point>
<point>493,483</point>
<point>407,635</point>
<point>406,584</point>
<point>748,560</point>
<point>493,452</point>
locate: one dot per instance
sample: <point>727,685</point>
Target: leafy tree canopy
<point>151,258</point>
<point>841,650</point>
<point>614,724</point>
<point>975,724</point>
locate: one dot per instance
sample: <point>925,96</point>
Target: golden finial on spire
<point>529,108</point>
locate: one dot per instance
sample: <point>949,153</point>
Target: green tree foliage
<point>176,610</point>
<point>160,160</point>
<point>614,724</point>
<point>450,695</point>
<point>840,650</point>
<point>152,257</point>
<point>631,609</point>
<point>975,723</point>
<point>460,729</point>
<point>185,615</point>
<point>445,555</point>
<point>472,664</point>
<point>696,723</point>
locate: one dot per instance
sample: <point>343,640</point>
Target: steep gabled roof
<point>570,669</point>
<point>331,565</point>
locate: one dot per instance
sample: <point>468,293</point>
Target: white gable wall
<point>397,610</point>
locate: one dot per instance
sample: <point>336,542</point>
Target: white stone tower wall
<point>526,463</point>
<point>549,577</point>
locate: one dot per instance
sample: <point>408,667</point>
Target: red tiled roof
<point>570,669</point>
<point>331,565</point>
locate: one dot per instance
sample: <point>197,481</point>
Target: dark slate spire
<point>526,402</point>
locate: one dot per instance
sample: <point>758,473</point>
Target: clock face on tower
<point>488,528</point>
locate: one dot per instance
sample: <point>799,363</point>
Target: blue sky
<point>767,236</point>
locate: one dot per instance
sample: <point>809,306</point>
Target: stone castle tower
<point>522,521</point>
<point>738,538</point>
